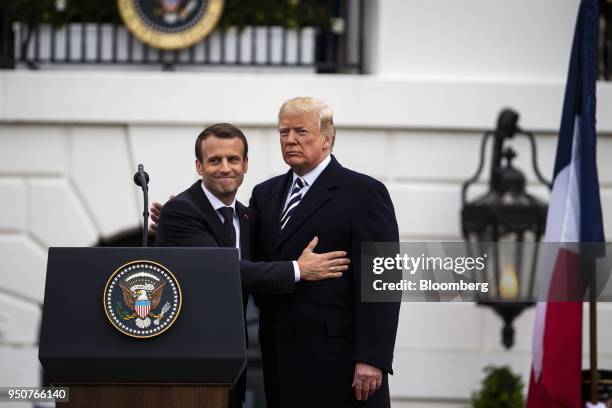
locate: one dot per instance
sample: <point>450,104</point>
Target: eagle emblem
<point>142,299</point>
<point>170,24</point>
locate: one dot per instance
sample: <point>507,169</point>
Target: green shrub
<point>501,388</point>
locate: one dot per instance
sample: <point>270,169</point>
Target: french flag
<point>574,215</point>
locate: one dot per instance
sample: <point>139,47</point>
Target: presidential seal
<point>142,299</point>
<point>170,24</point>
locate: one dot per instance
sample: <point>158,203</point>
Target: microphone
<point>140,175</point>
<point>141,178</point>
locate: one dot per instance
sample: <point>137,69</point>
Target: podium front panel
<point>206,343</point>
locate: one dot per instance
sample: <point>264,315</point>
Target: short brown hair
<point>222,131</point>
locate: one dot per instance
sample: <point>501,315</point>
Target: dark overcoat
<point>312,338</point>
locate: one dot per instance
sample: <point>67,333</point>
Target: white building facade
<point>439,72</point>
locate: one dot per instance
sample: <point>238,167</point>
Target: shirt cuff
<point>296,271</point>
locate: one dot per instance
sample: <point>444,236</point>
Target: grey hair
<point>307,104</point>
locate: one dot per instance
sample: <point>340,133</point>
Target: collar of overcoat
<point>319,193</point>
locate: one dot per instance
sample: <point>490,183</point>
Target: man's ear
<point>246,164</point>
<point>199,167</point>
<point>328,142</point>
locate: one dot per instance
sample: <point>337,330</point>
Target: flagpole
<point>593,331</point>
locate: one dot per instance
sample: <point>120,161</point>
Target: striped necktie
<point>292,203</point>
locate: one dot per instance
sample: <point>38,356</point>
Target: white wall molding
<point>382,102</point>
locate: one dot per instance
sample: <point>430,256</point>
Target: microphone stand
<point>141,178</point>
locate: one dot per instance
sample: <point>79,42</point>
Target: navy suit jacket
<point>312,338</point>
<point>189,220</point>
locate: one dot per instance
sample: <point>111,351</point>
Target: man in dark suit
<point>322,346</point>
<point>207,214</point>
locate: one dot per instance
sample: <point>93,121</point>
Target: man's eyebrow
<point>296,128</point>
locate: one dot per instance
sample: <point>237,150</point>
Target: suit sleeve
<point>267,277</point>
<point>376,322</point>
<point>180,227</point>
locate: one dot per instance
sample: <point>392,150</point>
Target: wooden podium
<point>146,396</point>
<point>193,363</point>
